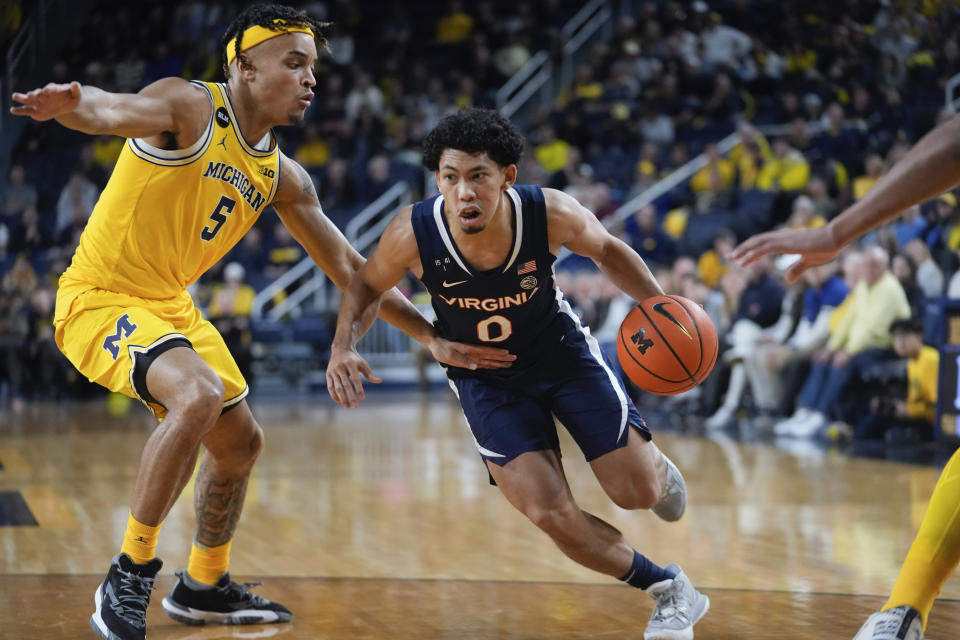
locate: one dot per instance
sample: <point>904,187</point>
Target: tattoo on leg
<point>218,503</point>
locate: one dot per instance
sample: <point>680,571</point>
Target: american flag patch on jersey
<point>527,267</point>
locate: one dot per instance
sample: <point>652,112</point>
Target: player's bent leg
<point>639,476</point>
<point>205,593</point>
<point>535,484</point>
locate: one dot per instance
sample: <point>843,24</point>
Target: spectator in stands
<point>929,275</point>
<point>713,264</point>
<point>712,184</point>
<point>905,269</point>
<point>837,141</point>
<point>19,195</point>
<point>455,25</point>
<point>591,193</point>
<point>337,189</point>
<point>823,204</point>
<point>31,235</point>
<point>649,240</point>
<point>363,94</point>
<point>7,254</point>
<point>804,215</point>
<point>785,170</point>
<point>723,44</point>
<point>550,151</point>
<point>772,368</point>
<point>916,410</point>
<point>46,367</point>
<point>376,180</point>
<point>313,152</point>
<point>910,226</point>
<point>230,305</point>
<point>862,339</point>
<point>942,234</point>
<point>874,169</point>
<point>76,201</point>
<point>756,321</point>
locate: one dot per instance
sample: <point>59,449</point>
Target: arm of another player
<point>169,105</point>
<point>931,167</point>
<point>572,225</point>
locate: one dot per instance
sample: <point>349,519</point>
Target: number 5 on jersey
<point>219,216</point>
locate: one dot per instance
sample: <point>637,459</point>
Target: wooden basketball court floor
<point>379,523</point>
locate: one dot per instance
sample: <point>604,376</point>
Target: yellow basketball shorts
<point>112,337</point>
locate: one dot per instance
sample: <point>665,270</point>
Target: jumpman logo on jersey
<point>223,141</point>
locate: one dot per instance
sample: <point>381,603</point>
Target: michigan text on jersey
<point>233,176</point>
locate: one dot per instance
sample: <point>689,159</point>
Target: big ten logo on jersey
<point>125,328</point>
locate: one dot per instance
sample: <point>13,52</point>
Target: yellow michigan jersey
<point>164,218</point>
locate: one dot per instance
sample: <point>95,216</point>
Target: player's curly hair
<point>474,130</point>
<point>266,15</point>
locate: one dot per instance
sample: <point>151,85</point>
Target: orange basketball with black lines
<point>667,345</point>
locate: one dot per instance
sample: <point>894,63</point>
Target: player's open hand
<point>344,374</point>
<point>47,103</point>
<point>470,356</point>
<point>815,247</point>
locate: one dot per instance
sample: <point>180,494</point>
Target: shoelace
<point>236,591</point>
<point>668,603</point>
<point>133,596</point>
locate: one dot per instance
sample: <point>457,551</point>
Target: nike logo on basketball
<point>669,316</point>
<point>453,284</point>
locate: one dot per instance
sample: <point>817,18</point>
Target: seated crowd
<point>819,102</point>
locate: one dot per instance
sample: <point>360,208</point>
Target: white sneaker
<point>899,623</point>
<point>678,606</point>
<point>809,426</point>
<point>674,501</point>
<point>785,427</point>
<point>720,419</point>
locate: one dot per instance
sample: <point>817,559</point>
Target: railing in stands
<point>536,80</point>
<point>362,232</point>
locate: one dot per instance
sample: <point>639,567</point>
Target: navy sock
<point>644,573</point>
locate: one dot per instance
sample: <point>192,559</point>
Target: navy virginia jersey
<point>515,306</point>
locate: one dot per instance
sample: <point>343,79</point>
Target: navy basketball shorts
<point>575,384</point>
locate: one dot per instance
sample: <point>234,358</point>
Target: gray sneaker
<point>674,500</point>
<point>899,623</point>
<point>678,606</point>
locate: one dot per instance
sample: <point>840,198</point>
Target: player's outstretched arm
<point>572,225</point>
<point>168,105</point>
<point>930,168</point>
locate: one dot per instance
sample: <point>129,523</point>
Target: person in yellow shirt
<point>712,264</point>
<point>874,171</point>
<point>785,170</point>
<point>918,408</point>
<point>713,181</point>
<point>199,165</point>
<point>930,168</point>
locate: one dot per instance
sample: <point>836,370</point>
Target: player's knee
<point>200,399</point>
<point>642,494</point>
<point>553,518</point>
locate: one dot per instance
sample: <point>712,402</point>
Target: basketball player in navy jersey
<point>484,248</point>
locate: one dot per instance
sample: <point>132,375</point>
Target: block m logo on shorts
<point>125,329</point>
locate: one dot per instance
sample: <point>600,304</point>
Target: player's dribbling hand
<point>344,373</point>
<point>815,246</point>
<point>49,102</point>
<point>470,356</point>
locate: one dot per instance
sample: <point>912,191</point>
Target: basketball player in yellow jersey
<point>200,165</point>
<point>929,169</point>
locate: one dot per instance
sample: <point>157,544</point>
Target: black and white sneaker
<point>226,602</point>
<point>122,599</point>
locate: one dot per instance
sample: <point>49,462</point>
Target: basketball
<point>667,345</point>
